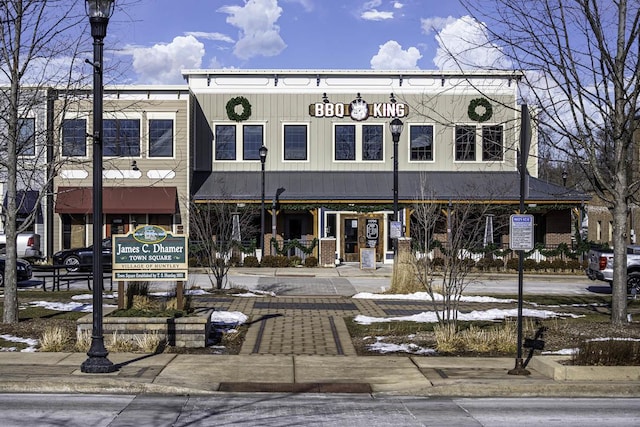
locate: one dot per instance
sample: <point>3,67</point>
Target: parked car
<point>82,258</point>
<point>24,271</point>
<point>27,245</point>
<point>601,267</point>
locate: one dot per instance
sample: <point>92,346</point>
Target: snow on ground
<point>31,343</point>
<point>424,296</point>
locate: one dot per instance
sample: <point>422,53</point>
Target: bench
<point>56,274</point>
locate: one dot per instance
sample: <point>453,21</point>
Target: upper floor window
<point>252,140</point>
<point>74,137</point>
<point>121,138</point>
<point>372,142</point>
<point>345,140</point>
<point>421,142</point>
<point>26,144</point>
<point>295,142</point>
<point>492,143</point>
<point>160,138</point>
<point>465,143</point>
<point>228,138</point>
<point>225,142</point>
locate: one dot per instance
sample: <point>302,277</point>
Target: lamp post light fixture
<point>99,12</point>
<point>263,158</point>
<point>396,126</point>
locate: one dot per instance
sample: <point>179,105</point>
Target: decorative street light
<point>99,12</point>
<point>263,158</point>
<point>396,126</point>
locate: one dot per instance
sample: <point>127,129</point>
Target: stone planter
<point>189,331</point>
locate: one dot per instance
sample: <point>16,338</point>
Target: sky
<point>155,39</point>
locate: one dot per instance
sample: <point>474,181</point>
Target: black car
<point>24,270</point>
<point>82,258</point>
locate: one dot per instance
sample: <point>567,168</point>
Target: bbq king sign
<point>359,109</point>
<point>149,253</point>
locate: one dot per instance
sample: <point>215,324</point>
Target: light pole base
<point>519,368</point>
<point>97,363</point>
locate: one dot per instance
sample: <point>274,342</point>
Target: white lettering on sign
<point>377,110</point>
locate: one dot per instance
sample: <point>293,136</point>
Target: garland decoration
<point>231,109</point>
<point>480,102</point>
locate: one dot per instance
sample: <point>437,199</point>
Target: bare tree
<point>450,236</point>
<point>216,233</point>
<point>580,59</point>
<point>38,50</point>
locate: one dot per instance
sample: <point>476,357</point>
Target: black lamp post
<point>263,158</point>
<point>396,126</point>
<point>99,12</point>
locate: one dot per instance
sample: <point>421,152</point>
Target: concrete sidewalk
<point>206,374</point>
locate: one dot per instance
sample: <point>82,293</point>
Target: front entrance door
<point>359,232</point>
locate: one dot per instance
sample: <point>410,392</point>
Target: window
<point>225,141</point>
<point>492,146</point>
<point>295,142</point>
<point>26,144</point>
<point>251,142</point>
<point>160,138</point>
<point>372,142</point>
<point>74,137</point>
<point>345,140</point>
<point>421,142</point>
<point>121,138</point>
<point>465,143</point>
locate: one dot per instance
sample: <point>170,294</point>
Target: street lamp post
<point>263,158</point>
<point>396,126</point>
<point>99,12</point>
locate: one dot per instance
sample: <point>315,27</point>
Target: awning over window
<point>26,201</point>
<point>118,200</point>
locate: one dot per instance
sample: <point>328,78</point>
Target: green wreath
<point>480,102</point>
<point>231,109</point>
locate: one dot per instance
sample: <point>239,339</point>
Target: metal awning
<point>377,187</point>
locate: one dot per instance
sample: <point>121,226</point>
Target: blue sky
<point>154,39</point>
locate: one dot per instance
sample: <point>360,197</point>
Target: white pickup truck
<point>27,244</point>
<point>601,267</point>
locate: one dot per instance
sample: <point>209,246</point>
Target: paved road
<point>310,409</point>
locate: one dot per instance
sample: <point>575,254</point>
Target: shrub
<point>295,261</point>
<point>528,264</point>
<point>574,265</point>
<point>251,261</point>
<point>54,338</point>
<point>136,289</point>
<point>234,261</point>
<point>558,264</point>
<point>311,261</point>
<point>277,261</point>
<point>544,265</point>
<point>485,264</point>
<point>512,264</point>
<point>608,353</point>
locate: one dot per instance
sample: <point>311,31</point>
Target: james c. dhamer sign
<point>149,253</point>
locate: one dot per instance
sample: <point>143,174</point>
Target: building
<point>330,168</point>
<point>145,166</point>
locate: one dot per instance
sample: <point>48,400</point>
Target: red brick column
<point>327,252</point>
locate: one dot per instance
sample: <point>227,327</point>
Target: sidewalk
<point>300,344</point>
<point>390,375</point>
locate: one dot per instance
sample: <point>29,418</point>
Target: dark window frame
<point>250,148</point>
<point>296,150</point>
<point>372,143</point>
<point>161,140</point>
<point>424,151</point>
<point>465,143</point>
<point>344,137</point>
<point>74,137</point>
<point>492,143</point>
<point>121,137</point>
<point>224,144</point>
<point>26,140</point>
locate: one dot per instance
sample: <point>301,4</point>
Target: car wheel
<point>633,283</point>
<point>1,280</point>
<point>72,263</point>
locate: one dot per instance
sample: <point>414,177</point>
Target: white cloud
<point>397,5</point>
<point>392,57</point>
<point>436,23</point>
<point>161,64</point>
<point>210,36</point>
<point>376,15</point>
<point>464,44</point>
<point>259,34</point>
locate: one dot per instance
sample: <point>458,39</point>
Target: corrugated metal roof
<point>377,187</point>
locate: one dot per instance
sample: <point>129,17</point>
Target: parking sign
<point>521,232</point>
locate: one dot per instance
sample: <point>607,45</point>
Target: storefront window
<point>27,137</point>
<point>465,143</point>
<point>251,141</point>
<point>492,147</point>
